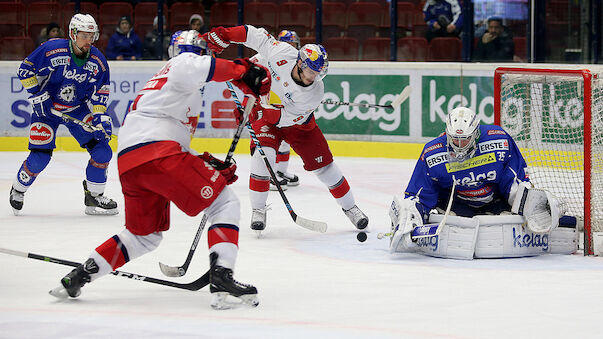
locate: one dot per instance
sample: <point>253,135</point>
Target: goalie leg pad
<point>456,240</point>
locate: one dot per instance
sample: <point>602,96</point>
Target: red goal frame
<point>587,76</point>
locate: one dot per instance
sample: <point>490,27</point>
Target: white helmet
<point>462,132</point>
<point>82,23</point>
<point>186,41</point>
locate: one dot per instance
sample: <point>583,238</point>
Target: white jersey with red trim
<point>279,57</point>
<point>168,106</point>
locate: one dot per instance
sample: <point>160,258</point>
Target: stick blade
<point>402,97</point>
<point>171,271</point>
<point>316,226</point>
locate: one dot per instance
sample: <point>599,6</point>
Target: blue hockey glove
<point>104,126</point>
<point>41,104</point>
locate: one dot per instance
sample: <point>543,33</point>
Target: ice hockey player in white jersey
<point>297,81</point>
<point>157,166</point>
<point>484,171</point>
<point>68,77</point>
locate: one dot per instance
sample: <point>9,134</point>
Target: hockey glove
<point>41,104</point>
<point>217,39</point>
<point>540,208</point>
<point>256,80</point>
<point>103,125</point>
<point>227,170</point>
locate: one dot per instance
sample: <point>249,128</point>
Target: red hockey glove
<point>227,170</point>
<point>219,38</point>
<point>256,80</point>
<point>267,113</point>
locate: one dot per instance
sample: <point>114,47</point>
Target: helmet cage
<point>462,133</point>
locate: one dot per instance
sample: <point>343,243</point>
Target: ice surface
<point>311,285</point>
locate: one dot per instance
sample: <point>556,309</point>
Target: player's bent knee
<point>38,160</point>
<point>137,245</point>
<point>101,153</point>
<point>226,209</point>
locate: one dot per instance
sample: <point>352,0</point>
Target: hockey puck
<point>361,236</point>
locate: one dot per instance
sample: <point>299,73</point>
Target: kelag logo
<point>443,93</point>
<point>374,89</point>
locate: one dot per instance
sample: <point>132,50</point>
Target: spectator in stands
<point>124,43</point>
<point>196,22</point>
<point>496,44</point>
<point>444,18</point>
<point>149,51</point>
<point>51,31</point>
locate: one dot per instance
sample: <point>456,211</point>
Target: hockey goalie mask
<point>289,36</point>
<point>462,132</point>
<point>82,23</point>
<point>315,60</point>
<point>186,41</point>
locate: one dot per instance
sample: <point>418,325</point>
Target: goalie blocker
<point>483,236</point>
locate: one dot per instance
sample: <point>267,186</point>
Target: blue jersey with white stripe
<point>51,68</point>
<point>496,165</point>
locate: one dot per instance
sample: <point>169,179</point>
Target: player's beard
<point>299,75</point>
<point>81,52</point>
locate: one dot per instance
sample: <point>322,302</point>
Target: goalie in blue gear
<point>477,170</point>
<point>68,77</point>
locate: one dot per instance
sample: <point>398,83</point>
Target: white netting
<point>545,116</point>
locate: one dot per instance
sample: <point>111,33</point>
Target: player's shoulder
<point>55,46</point>
<point>435,146</point>
<point>492,132</point>
<point>97,57</point>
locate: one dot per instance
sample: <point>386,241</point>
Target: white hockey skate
<point>359,219</point>
<point>98,204</point>
<point>16,200</point>
<point>258,219</point>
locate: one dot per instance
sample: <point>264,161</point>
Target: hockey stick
<point>192,286</point>
<point>317,226</point>
<point>80,122</point>
<point>179,271</point>
<point>394,104</point>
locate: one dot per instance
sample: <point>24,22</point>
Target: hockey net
<point>555,116</point>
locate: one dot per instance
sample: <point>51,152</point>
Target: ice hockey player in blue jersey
<point>482,167</point>
<point>68,77</point>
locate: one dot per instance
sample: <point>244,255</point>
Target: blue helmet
<point>186,41</point>
<point>315,57</point>
<point>289,36</point>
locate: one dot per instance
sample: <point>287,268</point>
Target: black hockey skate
<point>359,219</point>
<point>72,283</point>
<point>222,285</point>
<point>16,200</point>
<point>98,204</point>
<point>281,181</point>
<point>292,179</point>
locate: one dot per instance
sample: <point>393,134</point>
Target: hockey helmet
<point>82,23</point>
<point>315,58</point>
<point>186,41</point>
<point>289,36</point>
<point>462,133</point>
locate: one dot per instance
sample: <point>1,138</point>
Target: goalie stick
<point>192,286</point>
<point>179,271</point>
<point>394,104</point>
<point>317,226</point>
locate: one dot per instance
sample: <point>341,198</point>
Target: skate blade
<point>258,233</point>
<point>225,301</point>
<point>59,292</point>
<point>92,210</point>
<point>16,211</point>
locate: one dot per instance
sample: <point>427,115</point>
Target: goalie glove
<point>41,104</point>
<point>104,127</point>
<point>540,208</point>
<point>405,217</point>
<point>227,170</point>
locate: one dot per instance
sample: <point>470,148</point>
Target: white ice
<point>310,284</point>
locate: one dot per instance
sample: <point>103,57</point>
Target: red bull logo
<point>312,54</point>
